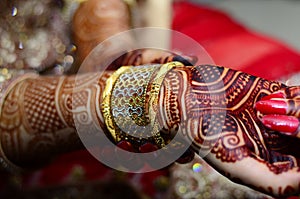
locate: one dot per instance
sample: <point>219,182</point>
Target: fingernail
<point>282,123</point>
<point>272,107</point>
<point>277,94</point>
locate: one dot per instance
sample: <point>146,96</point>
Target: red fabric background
<point>232,45</point>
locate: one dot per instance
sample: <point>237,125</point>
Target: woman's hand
<point>216,106</point>
<point>281,111</point>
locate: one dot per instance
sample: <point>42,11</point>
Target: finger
<point>186,60</point>
<point>153,56</point>
<point>288,125</point>
<point>162,57</point>
<point>292,92</point>
<point>279,106</point>
<point>277,94</point>
<point>272,106</point>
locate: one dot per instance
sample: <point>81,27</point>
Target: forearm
<point>37,115</point>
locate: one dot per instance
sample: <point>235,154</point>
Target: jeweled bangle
<point>8,78</point>
<point>130,103</point>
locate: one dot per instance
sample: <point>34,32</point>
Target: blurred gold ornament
<point>33,34</point>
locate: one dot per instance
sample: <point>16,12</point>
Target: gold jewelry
<point>153,99</point>
<point>8,78</point>
<point>130,102</point>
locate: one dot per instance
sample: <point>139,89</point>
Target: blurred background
<point>276,18</point>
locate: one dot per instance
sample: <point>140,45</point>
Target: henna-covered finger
<point>279,106</point>
<point>287,125</point>
<point>155,56</point>
<point>292,92</point>
<point>272,106</point>
<point>149,56</point>
<point>276,95</point>
<point>185,60</point>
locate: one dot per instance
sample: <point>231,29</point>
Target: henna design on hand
<point>37,116</point>
<point>244,150</point>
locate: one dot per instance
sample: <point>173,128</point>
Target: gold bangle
<point>153,99</point>
<point>106,109</point>
<point>8,78</point>
<point>130,102</point>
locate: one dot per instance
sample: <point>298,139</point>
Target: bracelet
<point>130,103</point>
<point>8,78</point>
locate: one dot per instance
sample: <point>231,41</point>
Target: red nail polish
<point>272,107</point>
<point>277,94</point>
<point>283,123</point>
